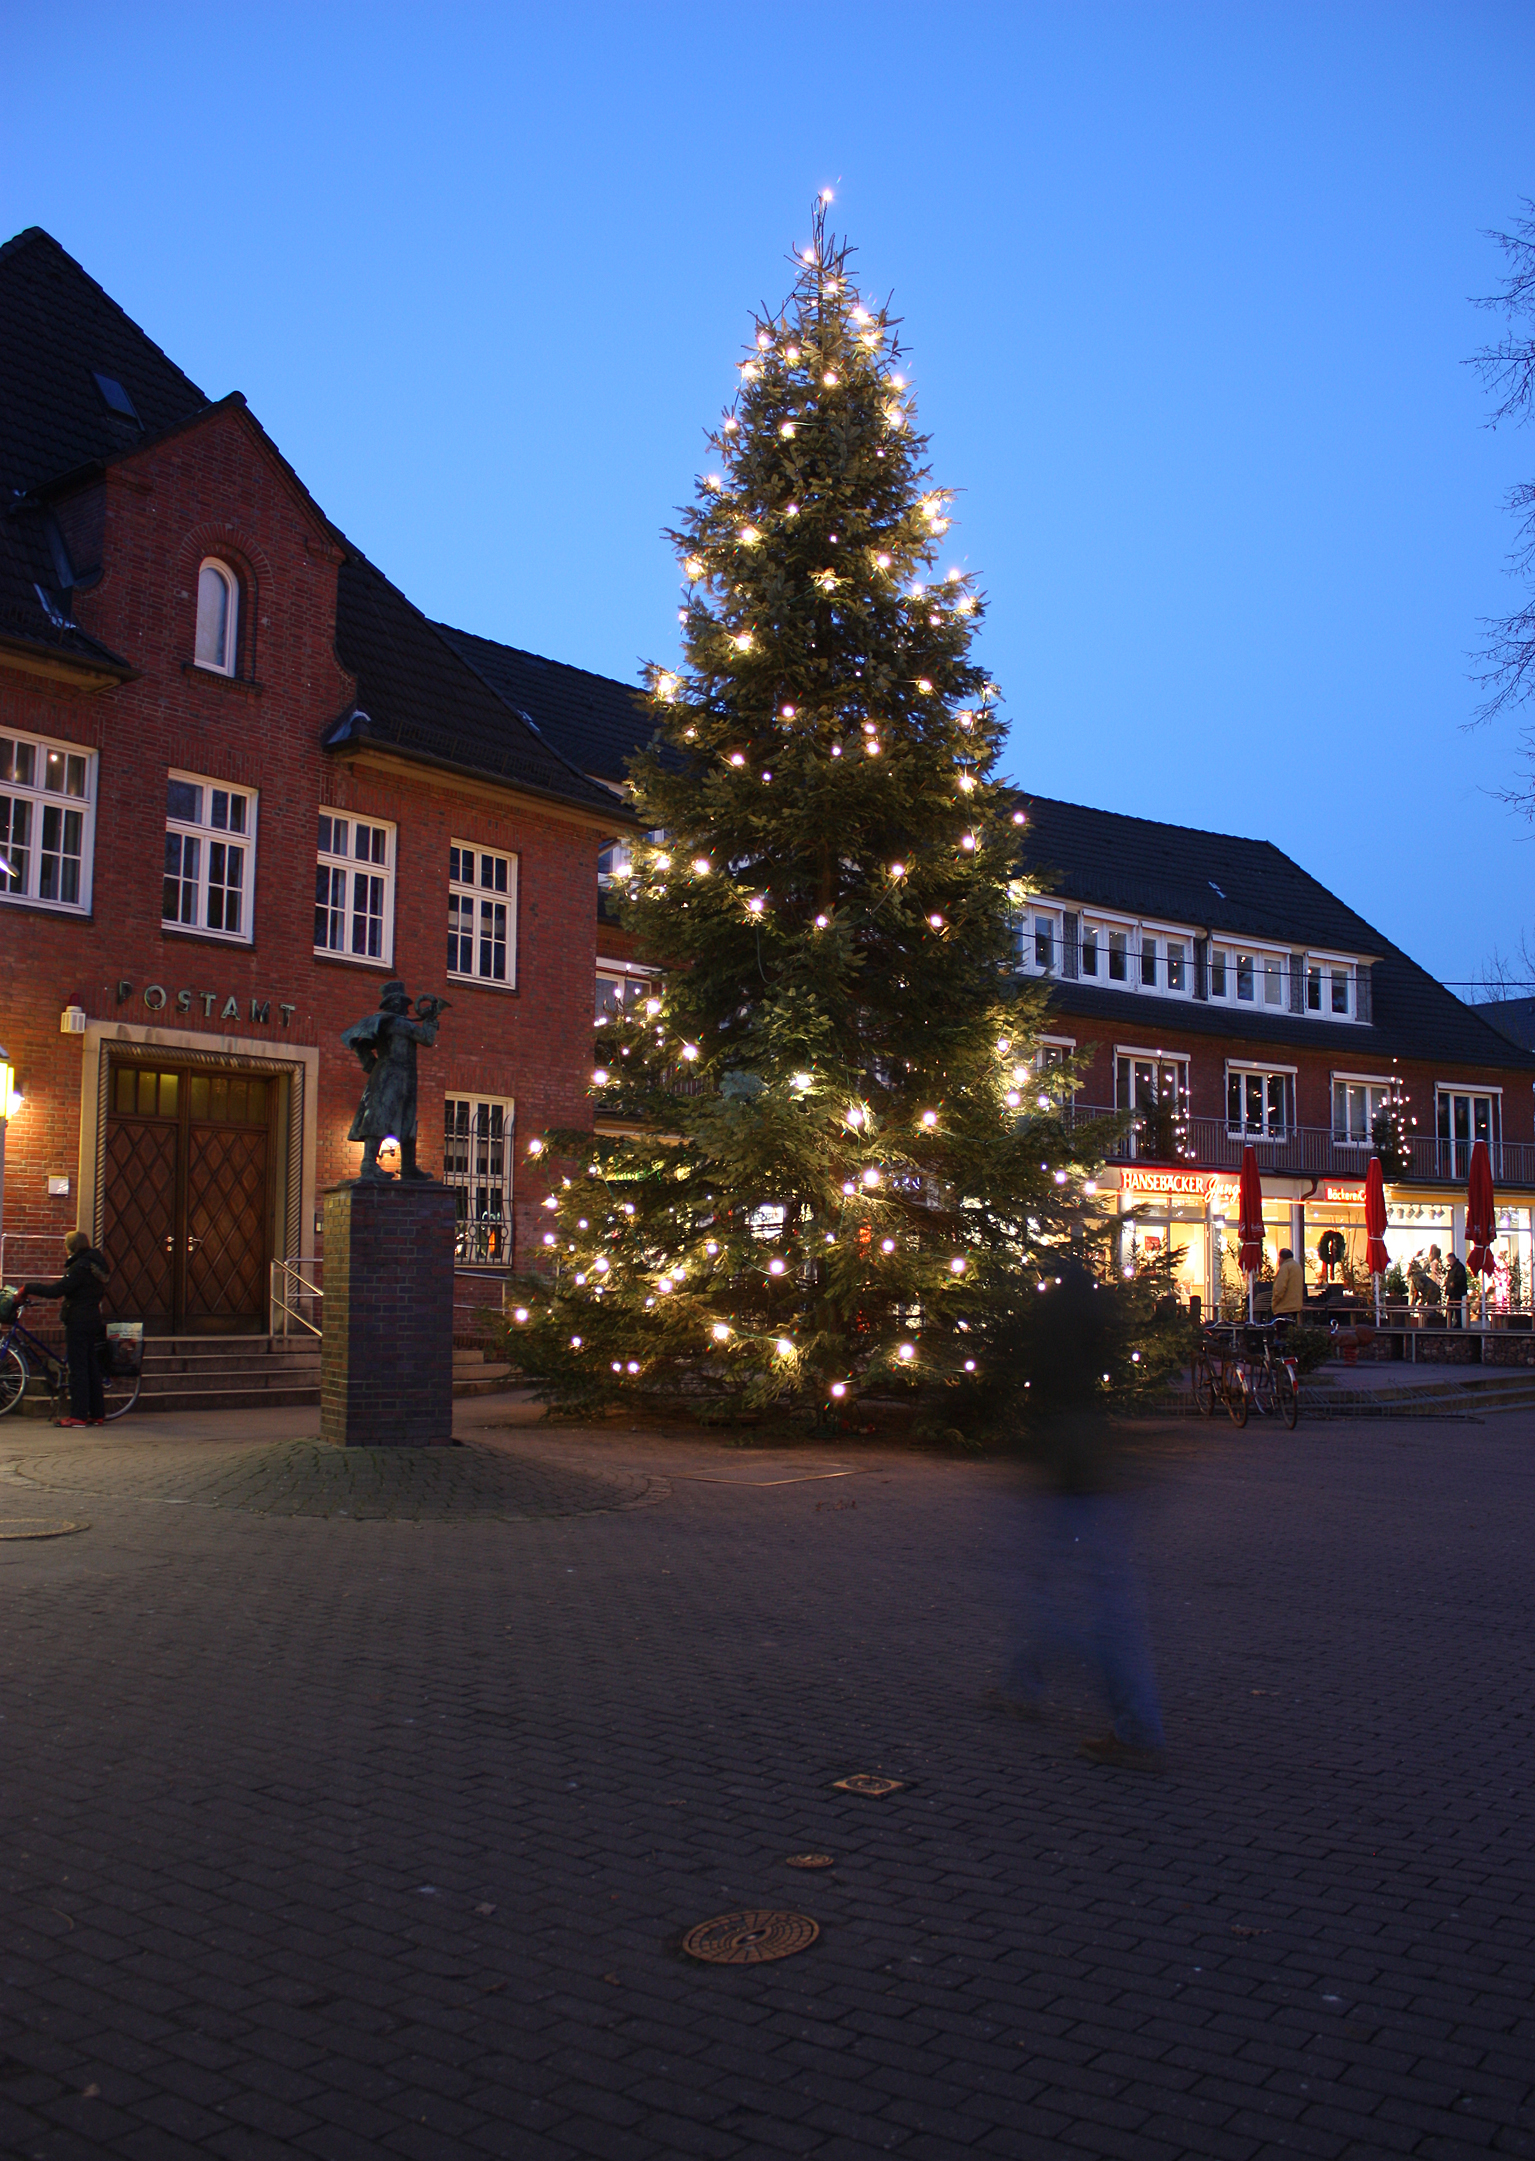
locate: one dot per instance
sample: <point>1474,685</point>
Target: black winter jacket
<point>81,1285</point>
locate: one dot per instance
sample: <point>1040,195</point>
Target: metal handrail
<point>289,1281</point>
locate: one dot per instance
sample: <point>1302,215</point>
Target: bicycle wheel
<point>14,1375</point>
<point>1204,1388</point>
<point>1265,1402</point>
<point>1236,1395</point>
<point>120,1392</point>
<point>1289,1396</point>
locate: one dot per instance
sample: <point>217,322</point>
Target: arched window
<point>218,617</point>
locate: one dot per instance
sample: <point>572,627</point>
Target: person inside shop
<point>81,1287</point>
<point>1424,1290</point>
<point>1436,1266</point>
<point>1456,1285</point>
<point>1289,1288</point>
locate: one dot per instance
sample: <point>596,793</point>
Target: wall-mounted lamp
<point>72,1020</point>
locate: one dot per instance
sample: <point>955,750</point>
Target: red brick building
<point>244,782</point>
<point>1213,988</point>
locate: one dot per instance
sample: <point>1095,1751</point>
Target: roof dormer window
<point>218,617</point>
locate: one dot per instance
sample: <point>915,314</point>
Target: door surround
<point>297,1149</point>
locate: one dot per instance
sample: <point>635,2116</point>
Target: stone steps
<point>236,1373</point>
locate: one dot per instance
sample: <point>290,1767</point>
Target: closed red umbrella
<point>1481,1228</point>
<point>1377,1259</point>
<point>1250,1252</point>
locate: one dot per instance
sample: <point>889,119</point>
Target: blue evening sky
<point>1185,286</point>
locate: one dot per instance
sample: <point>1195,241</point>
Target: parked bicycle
<point>1249,1370</point>
<point>22,1354</point>
<point>1215,1376</point>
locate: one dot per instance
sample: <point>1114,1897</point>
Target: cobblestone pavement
<point>342,1838</point>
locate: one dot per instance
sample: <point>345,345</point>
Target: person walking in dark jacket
<point>81,1285</point>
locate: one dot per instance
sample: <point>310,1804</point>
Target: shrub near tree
<point>842,1154</point>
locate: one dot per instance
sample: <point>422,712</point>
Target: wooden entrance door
<point>188,1198</point>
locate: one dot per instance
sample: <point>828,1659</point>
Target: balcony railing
<point>1311,1151</point>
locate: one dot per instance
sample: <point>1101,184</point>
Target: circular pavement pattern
<point>472,1484</point>
<point>746,1939</point>
<point>38,1527</point>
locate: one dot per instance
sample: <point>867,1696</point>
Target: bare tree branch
<point>1505,663</point>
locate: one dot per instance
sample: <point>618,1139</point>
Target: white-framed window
<point>1089,949</point>
<point>1260,979</point>
<point>218,616</point>
<point>210,856</point>
<point>477,1164</point>
<point>1221,972</point>
<point>1038,935</point>
<point>1357,1102</point>
<point>619,990</point>
<point>1118,955</point>
<point>1155,1087</point>
<point>482,914</point>
<point>1463,1116</point>
<point>1260,1101</point>
<point>1330,987</point>
<point>47,821</point>
<point>354,888</point>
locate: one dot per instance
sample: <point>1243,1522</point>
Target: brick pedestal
<point>386,1356</point>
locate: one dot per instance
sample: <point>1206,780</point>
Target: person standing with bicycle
<point>81,1287</point>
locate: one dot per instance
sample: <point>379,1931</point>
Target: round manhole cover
<point>745,1939</point>
<point>867,1782</point>
<point>809,1860</point>
<point>38,1527</point>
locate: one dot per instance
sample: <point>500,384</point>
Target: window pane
<point>198,1095</point>
<point>493,940</point>
<point>15,831</point>
<point>1273,982</point>
<point>460,935</point>
<point>168,1094</point>
<point>1089,952</point>
<point>184,801</point>
<point>1340,990</point>
<point>212,618</point>
<point>455,867</point>
<point>147,1094</point>
<point>1119,950</point>
<point>53,771</point>
<point>1313,990</point>
<point>1276,1091</point>
<point>1149,961</point>
<point>1234,1100</point>
<point>324,839</point>
<point>1176,954</point>
<point>1044,942</point>
<point>1254,1102</point>
<point>1217,975</point>
<point>1245,977</point>
<point>74,778</point>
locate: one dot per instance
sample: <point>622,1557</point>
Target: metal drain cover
<point>866,1782</point>
<point>745,1939</point>
<point>38,1527</point>
<point>809,1860</point>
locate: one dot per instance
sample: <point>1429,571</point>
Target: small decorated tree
<point>840,1150</point>
<point>1392,1131</point>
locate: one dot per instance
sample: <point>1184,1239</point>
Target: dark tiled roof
<point>1513,1017</point>
<point>416,694</point>
<point>593,721</point>
<point>1101,858</point>
<point>61,329</point>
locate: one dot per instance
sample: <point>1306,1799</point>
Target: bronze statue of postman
<point>386,1045</point>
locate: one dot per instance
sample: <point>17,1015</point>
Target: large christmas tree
<point>851,1162</point>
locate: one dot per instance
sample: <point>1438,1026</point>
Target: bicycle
<point>20,1349</point>
<point>1217,1377</point>
<point>1270,1375</point>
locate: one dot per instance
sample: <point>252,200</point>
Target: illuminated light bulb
<point>966,606</point>
<point>690,1051</point>
<point>807,255</point>
<point>784,1347</point>
<point>628,1208</point>
<point>756,904</point>
<point>1012,1099</point>
<point>583,1225</point>
<point>791,352</point>
<point>521,1314</point>
<point>907,1351</point>
<point>750,536</point>
<point>1020,1074</point>
<point>871,1177</point>
<point>575,1343</point>
<point>731,426</point>
<point>663,862</point>
<point>1060,1178</point>
<point>883,561</point>
<point>601,1264</point>
<point>952,577</point>
<point>821,922</point>
<point>958,1265</point>
<point>618,1365</point>
<point>967,842</point>
<point>713,480</point>
<point>826,198</point>
<point>839,1388</point>
<point>749,370</point>
<point>969,1365</point>
<point>862,315</point>
<point>599,1075</point>
<point>535,1148</point>
<point>1044,1103</point>
<point>652,1005</point>
<point>836,750</point>
<point>1090,1187</point>
<point>854,1116</point>
<point>924,686</point>
<point>898,870</point>
<point>930,1118</point>
<point>701,865</point>
<point>787,712</point>
<point>633,1366</point>
<point>666,685</point>
<point>917,591</point>
<point>830,378</point>
<point>550,1201</point>
<point>967,787</point>
<point>791,510</point>
<point>849,1188</point>
<point>663,1284</point>
<point>767,776</point>
<point>742,641</point>
<point>829,1238</point>
<point>736,758</point>
<point>872,747</point>
<point>580,1281</point>
<point>711,1247</point>
<point>966,720</point>
<point>887,1245</point>
<point>720,1332</point>
<point>1019,818</point>
<point>935,922</point>
<point>775,1266</point>
<point>869,728</point>
<point>897,382</point>
<point>764,340</point>
<point>800,1080</point>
